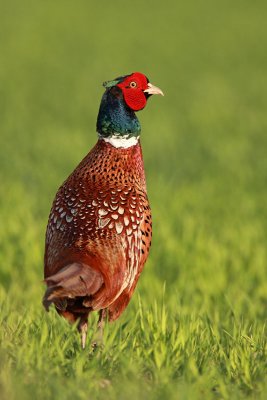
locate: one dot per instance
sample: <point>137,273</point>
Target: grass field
<point>195,328</point>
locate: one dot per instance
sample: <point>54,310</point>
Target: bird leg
<point>100,328</point>
<point>101,321</point>
<point>82,327</point>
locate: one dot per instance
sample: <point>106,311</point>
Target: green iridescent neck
<point>115,118</point>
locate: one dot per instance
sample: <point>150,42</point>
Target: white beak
<point>151,89</point>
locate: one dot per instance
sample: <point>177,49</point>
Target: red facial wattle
<point>133,90</point>
<point>136,101</point>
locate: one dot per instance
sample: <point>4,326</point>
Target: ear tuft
<point>115,81</point>
<point>109,84</point>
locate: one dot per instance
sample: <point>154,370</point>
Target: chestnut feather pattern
<point>103,220</point>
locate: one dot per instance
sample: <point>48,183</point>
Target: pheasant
<point>99,229</point>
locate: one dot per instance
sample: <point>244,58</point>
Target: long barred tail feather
<point>76,280</point>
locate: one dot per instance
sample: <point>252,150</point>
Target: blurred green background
<point>204,147</point>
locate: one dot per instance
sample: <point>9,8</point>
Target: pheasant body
<point>100,228</point>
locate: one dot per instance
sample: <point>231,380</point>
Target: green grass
<point>195,328</point>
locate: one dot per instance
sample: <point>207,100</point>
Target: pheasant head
<point>123,97</point>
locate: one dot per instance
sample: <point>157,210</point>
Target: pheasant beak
<point>151,89</point>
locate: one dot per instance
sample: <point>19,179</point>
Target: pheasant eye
<point>133,84</point>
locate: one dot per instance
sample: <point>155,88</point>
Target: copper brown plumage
<point>100,228</point>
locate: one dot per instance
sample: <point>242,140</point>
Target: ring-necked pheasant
<point>99,229</point>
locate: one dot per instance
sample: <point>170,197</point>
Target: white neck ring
<point>121,141</point>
